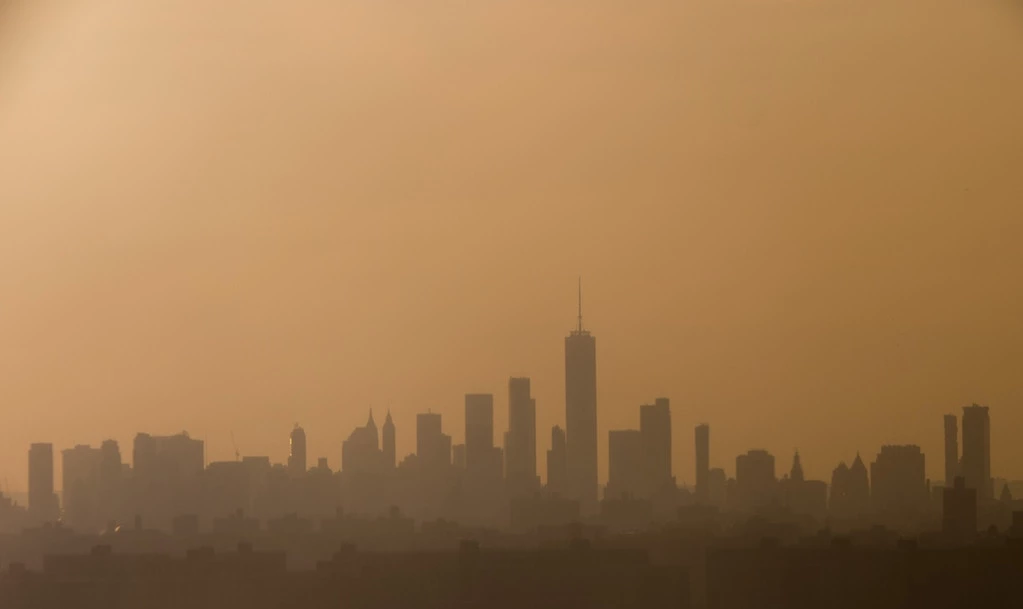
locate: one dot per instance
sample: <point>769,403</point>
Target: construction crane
<point>237,455</point>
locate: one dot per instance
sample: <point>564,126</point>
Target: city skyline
<point>245,255</point>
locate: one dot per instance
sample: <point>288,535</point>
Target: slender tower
<point>951,450</point>
<point>390,454</point>
<point>581,414</point>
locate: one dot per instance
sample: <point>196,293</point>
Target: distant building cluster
<point>482,483</point>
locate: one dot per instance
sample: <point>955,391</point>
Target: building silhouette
<point>80,483</point>
<point>388,447</point>
<point>755,480</point>
<point>898,483</point>
<point>655,427</point>
<point>850,491</point>
<point>557,462</point>
<point>433,447</point>
<point>581,415</point>
<point>626,461</point>
<point>951,450</point>
<point>297,453</point>
<point>43,505</point>
<point>458,456</point>
<point>360,453</point>
<point>702,445</point>
<point>976,464</point>
<point>802,496</point>
<point>479,432</point>
<point>520,439</point>
<point>959,511</point>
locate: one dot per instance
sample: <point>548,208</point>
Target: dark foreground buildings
<point>469,577</point>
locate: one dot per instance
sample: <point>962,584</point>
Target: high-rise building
<point>655,427</point>
<point>951,450</point>
<point>755,480</point>
<point>42,501</point>
<point>164,458</point>
<point>581,415</point>
<point>167,477</point>
<point>458,456</point>
<point>626,464</point>
<point>297,457</point>
<point>976,466</point>
<point>702,462</point>
<point>80,485</point>
<point>433,447</point>
<point>520,439</point>
<point>557,467</point>
<point>850,491</point>
<point>479,431</point>
<point>959,511</point>
<point>389,447</point>
<point>111,467</point>
<point>898,482</point>
<point>361,451</point>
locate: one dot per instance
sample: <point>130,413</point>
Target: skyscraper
<point>433,447</point>
<point>520,439</point>
<point>297,456</point>
<point>977,451</point>
<point>898,481</point>
<point>479,431</point>
<point>755,480</point>
<point>951,450</point>
<point>627,459</point>
<point>80,484</point>
<point>581,414</point>
<point>360,453</point>
<point>557,467</point>
<point>702,462</point>
<point>389,448</point>
<point>655,427</point>
<point>42,501</point>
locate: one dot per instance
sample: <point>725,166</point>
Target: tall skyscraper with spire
<point>581,414</point>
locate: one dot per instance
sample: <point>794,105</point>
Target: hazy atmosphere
<point>799,220</point>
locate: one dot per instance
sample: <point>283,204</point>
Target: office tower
<point>655,427</point>
<point>976,466</point>
<point>717,487</point>
<point>42,501</point>
<point>702,462</point>
<point>111,466</point>
<point>458,456</point>
<point>581,414</point>
<point>80,484</point>
<point>168,457</point>
<point>297,456</point>
<point>557,462</point>
<point>850,490</point>
<point>479,431</point>
<point>951,450</point>
<point>167,477</point>
<point>389,448</point>
<point>959,511</point>
<point>360,453</point>
<point>626,464</point>
<point>432,446</point>
<point>520,439</point>
<point>755,481</point>
<point>898,484</point>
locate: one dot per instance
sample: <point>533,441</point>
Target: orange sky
<point>800,220</point>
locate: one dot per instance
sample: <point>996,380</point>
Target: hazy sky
<point>800,220</point>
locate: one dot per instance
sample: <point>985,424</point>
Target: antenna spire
<point>580,304</point>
